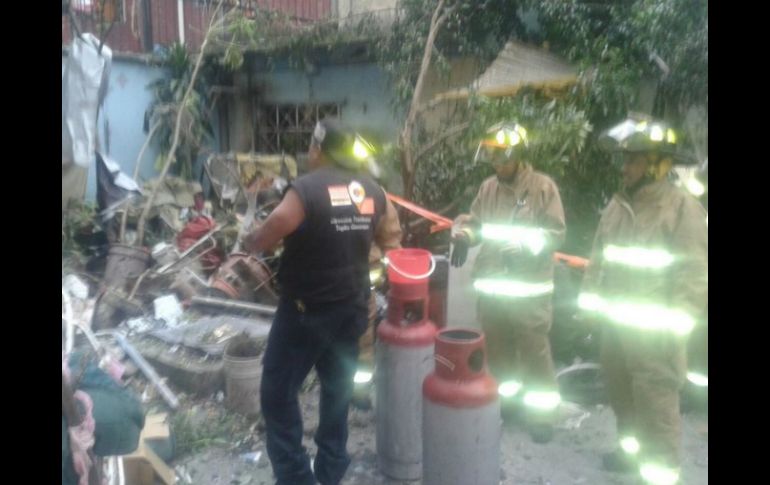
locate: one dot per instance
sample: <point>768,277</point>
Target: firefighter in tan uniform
<point>387,237</point>
<point>647,283</point>
<point>518,219</point>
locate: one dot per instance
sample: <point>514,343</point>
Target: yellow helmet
<point>500,142</point>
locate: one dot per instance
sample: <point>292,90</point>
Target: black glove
<point>460,250</point>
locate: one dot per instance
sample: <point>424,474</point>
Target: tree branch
<point>439,16</point>
<point>448,133</point>
<point>171,157</point>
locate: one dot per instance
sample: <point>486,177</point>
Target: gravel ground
<point>572,458</point>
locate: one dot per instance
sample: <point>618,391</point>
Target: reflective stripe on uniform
<point>509,388</point>
<point>512,288</point>
<point>362,377</point>
<point>656,474</point>
<point>532,238</point>
<point>542,400</point>
<point>637,257</point>
<point>630,445</point>
<point>698,379</point>
<point>643,316</point>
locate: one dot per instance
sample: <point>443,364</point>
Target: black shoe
<point>541,433</point>
<point>618,462</point>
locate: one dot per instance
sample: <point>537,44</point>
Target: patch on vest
<point>339,195</point>
<point>366,207</point>
<point>364,204</point>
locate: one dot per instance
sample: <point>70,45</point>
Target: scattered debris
<point>571,416</point>
<point>75,287</point>
<point>210,334</point>
<point>168,309</point>
<point>147,370</point>
<point>252,457</point>
<point>234,305</point>
<point>141,324</point>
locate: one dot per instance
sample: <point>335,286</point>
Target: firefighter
<point>518,219</point>
<point>388,238</point>
<point>328,219</point>
<point>647,282</point>
<point>696,395</point>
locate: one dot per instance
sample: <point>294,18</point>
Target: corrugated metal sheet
<point>518,65</point>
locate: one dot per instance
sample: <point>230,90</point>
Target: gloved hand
<point>461,244</point>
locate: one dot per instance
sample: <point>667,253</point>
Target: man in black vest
<point>328,220</point>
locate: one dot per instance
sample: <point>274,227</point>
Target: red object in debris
<point>194,230</point>
<point>200,202</point>
<point>461,378</point>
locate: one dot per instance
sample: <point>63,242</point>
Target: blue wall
<point>127,99</point>
<point>123,111</point>
<point>361,89</point>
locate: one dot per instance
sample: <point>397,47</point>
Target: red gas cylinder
<point>404,357</point>
<point>461,413</point>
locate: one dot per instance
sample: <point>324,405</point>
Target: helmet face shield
<point>488,154</point>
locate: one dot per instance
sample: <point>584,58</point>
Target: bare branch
<point>440,138</point>
<point>177,128</point>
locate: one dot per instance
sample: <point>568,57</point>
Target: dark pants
<point>327,338</point>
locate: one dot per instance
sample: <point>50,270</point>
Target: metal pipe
<point>180,19</point>
<point>146,369</point>
<point>235,305</point>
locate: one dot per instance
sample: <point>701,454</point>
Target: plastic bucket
<point>243,373</point>
<point>124,264</point>
<point>409,271</point>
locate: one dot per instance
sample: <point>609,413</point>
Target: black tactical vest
<point>327,258</point>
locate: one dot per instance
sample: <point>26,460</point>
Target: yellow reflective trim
<point>359,150</point>
<point>642,316</point>
<point>656,133</point>
<point>531,237</point>
<point>698,379</point>
<point>630,445</point>
<point>362,377</point>
<point>695,187</point>
<point>511,288</point>
<point>514,138</point>
<point>542,400</point>
<point>659,474</point>
<point>638,257</point>
<point>509,388</point>
<point>590,302</point>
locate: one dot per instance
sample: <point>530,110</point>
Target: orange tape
<point>441,223</point>
<point>571,261</point>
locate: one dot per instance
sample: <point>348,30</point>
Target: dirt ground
<point>572,458</point>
